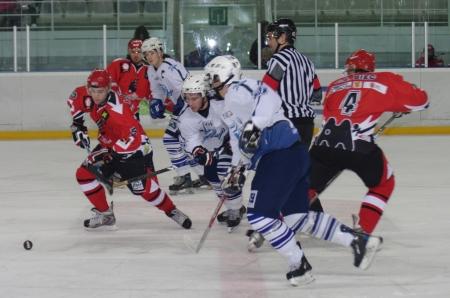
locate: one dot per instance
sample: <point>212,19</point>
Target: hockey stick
<point>96,171</point>
<point>214,216</point>
<point>379,131</point>
<point>143,176</point>
<point>210,224</point>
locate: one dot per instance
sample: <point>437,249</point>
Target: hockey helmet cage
<point>152,43</point>
<point>99,78</point>
<point>195,84</point>
<point>360,60</point>
<point>226,69</point>
<point>281,26</point>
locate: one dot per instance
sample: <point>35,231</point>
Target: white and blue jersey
<point>205,129</point>
<point>250,99</point>
<point>166,81</point>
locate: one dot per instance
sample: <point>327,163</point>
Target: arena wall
<point>34,104</point>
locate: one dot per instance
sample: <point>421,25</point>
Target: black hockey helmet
<point>281,26</point>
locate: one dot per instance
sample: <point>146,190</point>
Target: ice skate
<point>255,240</point>
<point>300,274</point>
<point>222,217</point>
<point>181,184</point>
<point>357,228</point>
<point>233,219</point>
<point>364,249</point>
<point>180,218</point>
<point>201,182</point>
<point>101,220</point>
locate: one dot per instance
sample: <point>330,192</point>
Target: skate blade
<point>302,280</point>
<point>232,229</point>
<point>203,187</point>
<point>186,191</point>
<point>372,248</point>
<point>251,247</point>
<point>102,228</point>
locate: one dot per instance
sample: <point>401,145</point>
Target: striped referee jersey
<point>291,74</point>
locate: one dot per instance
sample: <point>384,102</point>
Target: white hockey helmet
<point>226,69</point>
<point>195,84</point>
<point>152,43</point>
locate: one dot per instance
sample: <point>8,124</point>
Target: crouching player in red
<point>123,152</point>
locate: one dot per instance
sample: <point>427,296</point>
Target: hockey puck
<point>28,245</point>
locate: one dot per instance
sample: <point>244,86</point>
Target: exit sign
<point>218,15</point>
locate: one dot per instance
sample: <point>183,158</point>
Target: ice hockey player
<point>352,107</point>
<point>166,78</point>
<point>207,140</point>
<point>130,75</point>
<point>123,152</point>
<point>270,144</point>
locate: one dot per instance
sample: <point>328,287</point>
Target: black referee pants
<point>305,127</point>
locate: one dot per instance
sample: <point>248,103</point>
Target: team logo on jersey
<point>125,67</point>
<point>212,132</point>
<point>105,115</point>
<point>252,199</point>
<point>73,95</point>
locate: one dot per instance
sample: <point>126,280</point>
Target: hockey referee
<point>293,76</point>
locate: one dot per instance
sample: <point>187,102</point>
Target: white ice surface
<point>149,256</point>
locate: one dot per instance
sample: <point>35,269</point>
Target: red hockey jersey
<point>131,79</point>
<point>118,128</point>
<point>358,101</point>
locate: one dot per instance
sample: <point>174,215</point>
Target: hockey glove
<point>80,135</point>
<point>203,156</point>
<point>157,108</point>
<point>99,157</point>
<point>316,97</point>
<point>178,106</point>
<point>234,180</point>
<point>250,137</point>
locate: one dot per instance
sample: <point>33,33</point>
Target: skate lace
<point>96,219</point>
<point>99,218</point>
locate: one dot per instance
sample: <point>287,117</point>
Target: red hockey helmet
<point>98,78</point>
<point>360,60</point>
<point>134,44</point>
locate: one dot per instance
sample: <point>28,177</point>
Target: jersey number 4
<point>350,102</point>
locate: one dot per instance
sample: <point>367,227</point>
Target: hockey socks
<point>319,225</point>
<point>157,197</point>
<point>93,190</point>
<point>374,203</point>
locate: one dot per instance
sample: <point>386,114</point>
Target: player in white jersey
<point>263,139</point>
<point>207,140</point>
<point>166,78</point>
